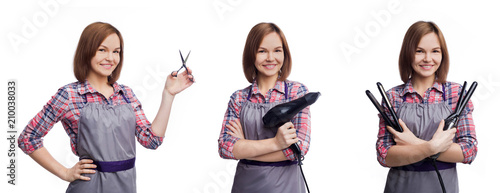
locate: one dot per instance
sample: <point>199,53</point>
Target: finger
<point>391,130</point>
<point>403,125</point>
<point>234,124</point>
<point>88,171</point>
<point>189,70</point>
<point>292,141</point>
<point>89,166</point>
<point>86,161</point>
<point>230,127</point>
<point>238,122</point>
<point>173,74</point>
<point>231,133</point>
<point>81,177</point>
<point>441,126</point>
<point>287,125</point>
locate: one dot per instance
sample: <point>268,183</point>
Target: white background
<point>342,156</point>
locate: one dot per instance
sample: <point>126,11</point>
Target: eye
<point>278,50</point>
<point>116,51</point>
<point>436,51</point>
<point>101,50</point>
<point>420,51</point>
<point>261,51</point>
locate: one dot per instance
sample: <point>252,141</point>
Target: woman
<point>101,117</point>
<point>266,161</point>
<point>422,102</point>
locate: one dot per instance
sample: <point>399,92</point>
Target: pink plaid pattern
<point>301,121</point>
<point>466,132</point>
<point>65,106</point>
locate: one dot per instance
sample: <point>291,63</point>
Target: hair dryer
<point>282,113</point>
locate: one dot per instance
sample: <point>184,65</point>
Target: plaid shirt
<point>301,121</point>
<point>466,133</point>
<point>65,106</point>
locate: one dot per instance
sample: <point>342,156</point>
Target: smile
<point>427,67</point>
<point>269,66</point>
<point>107,66</point>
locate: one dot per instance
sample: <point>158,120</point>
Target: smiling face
<point>428,57</point>
<point>106,58</point>
<point>269,57</point>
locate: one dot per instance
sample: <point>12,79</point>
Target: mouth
<point>107,66</point>
<point>269,66</point>
<point>426,66</point>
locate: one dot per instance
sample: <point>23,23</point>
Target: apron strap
<point>425,166</point>
<point>249,93</point>
<point>124,96</point>
<point>113,166</point>
<point>85,98</point>
<point>275,164</point>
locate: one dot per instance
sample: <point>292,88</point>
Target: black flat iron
<point>393,123</point>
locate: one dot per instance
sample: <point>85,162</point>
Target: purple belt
<point>275,164</point>
<point>114,166</point>
<point>426,165</point>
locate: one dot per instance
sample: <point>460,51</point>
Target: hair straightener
<point>393,123</point>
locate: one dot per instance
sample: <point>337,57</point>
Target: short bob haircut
<point>409,48</point>
<point>254,39</point>
<point>90,40</point>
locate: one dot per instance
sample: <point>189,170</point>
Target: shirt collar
<point>279,86</point>
<point>85,87</point>
<point>409,87</point>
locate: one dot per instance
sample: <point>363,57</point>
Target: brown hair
<point>409,47</point>
<point>254,39</point>
<point>90,40</point>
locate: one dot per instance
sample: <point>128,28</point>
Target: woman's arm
<point>43,157</point>
<point>409,149</point>
<point>173,86</point>
<point>30,140</point>
<point>465,148</point>
<point>262,150</point>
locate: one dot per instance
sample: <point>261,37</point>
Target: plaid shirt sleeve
<point>226,141</point>
<point>301,122</point>
<point>384,137</point>
<point>466,134</point>
<point>144,133</point>
<point>31,138</point>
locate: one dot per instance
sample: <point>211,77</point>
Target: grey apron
<point>254,176</point>
<point>106,134</point>
<point>423,120</point>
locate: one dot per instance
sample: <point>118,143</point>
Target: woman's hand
<point>406,137</point>
<point>236,129</point>
<point>286,135</point>
<point>442,140</point>
<point>177,84</point>
<point>84,166</point>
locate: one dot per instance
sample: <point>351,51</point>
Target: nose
<point>109,56</point>
<point>270,56</point>
<point>427,57</point>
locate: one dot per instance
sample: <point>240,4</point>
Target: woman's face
<point>427,57</point>
<point>107,57</point>
<point>269,58</point>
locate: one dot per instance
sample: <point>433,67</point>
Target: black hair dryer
<point>282,113</point>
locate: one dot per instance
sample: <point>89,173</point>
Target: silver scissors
<point>183,66</point>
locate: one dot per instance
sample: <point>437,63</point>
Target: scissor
<point>183,66</point>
